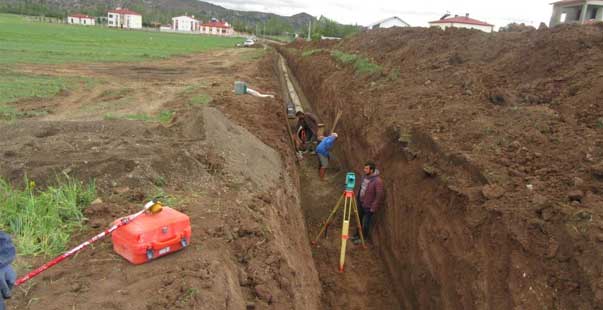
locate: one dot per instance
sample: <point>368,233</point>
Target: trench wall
<point>446,246</point>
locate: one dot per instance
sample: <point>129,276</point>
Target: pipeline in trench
<point>365,284</point>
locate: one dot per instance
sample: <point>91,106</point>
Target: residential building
<point>186,24</point>
<point>124,18</point>
<point>81,19</point>
<point>216,27</point>
<point>461,22</point>
<point>389,22</point>
<point>576,12</point>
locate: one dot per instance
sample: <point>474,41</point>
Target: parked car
<point>248,43</point>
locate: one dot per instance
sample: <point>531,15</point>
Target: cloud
<point>417,13</point>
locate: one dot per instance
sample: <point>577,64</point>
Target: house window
<point>223,30</point>
<point>563,17</point>
<point>84,21</point>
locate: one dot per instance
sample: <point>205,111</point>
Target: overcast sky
<point>416,13</point>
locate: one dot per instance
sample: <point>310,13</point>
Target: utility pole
<point>309,30</point>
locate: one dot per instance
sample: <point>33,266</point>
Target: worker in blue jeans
<point>370,198</point>
<point>7,274</point>
<point>323,150</point>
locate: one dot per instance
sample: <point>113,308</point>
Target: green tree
<point>276,26</point>
<point>330,28</point>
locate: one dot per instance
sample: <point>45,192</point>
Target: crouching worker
<point>307,130</point>
<point>7,274</point>
<point>369,198</point>
<point>323,149</point>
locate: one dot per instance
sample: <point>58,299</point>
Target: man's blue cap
<point>7,250</point>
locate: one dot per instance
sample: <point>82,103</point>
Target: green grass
<point>281,38</point>
<point>22,41</point>
<point>361,64</point>
<point>15,86</point>
<point>394,74</point>
<point>194,87</point>
<point>164,117</point>
<point>200,99</point>
<point>42,221</point>
<point>312,52</point>
<point>253,54</point>
<point>9,113</point>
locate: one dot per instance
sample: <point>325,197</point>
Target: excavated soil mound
<point>491,151</point>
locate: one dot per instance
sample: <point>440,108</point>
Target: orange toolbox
<point>150,236</point>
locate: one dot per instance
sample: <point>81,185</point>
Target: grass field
<point>22,41</point>
<point>26,42</point>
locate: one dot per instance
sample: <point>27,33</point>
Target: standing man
<point>323,149</point>
<point>307,126</point>
<point>370,198</point>
<point>7,274</point>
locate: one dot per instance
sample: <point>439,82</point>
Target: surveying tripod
<point>349,206</point>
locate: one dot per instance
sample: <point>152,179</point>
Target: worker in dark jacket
<point>370,198</point>
<point>307,129</point>
<point>7,274</point>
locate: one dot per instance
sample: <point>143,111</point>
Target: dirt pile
<point>491,150</point>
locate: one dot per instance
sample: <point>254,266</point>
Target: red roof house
<point>462,22</point>
<point>124,12</point>
<point>124,18</point>
<point>81,19</point>
<point>216,27</point>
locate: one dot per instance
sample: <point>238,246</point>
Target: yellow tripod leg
<point>345,231</point>
<point>328,221</point>
<point>358,224</point>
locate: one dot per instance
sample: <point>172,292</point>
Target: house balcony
<point>577,12</point>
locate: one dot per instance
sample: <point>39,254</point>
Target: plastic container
<point>151,236</point>
<point>240,88</point>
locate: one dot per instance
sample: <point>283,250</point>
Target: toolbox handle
<point>163,244</point>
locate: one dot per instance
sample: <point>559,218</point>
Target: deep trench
<point>366,282</point>
<point>438,249</point>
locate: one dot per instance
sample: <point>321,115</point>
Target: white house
<point>462,22</point>
<point>186,23</point>
<point>215,27</point>
<point>124,18</point>
<point>576,12</point>
<point>81,19</point>
<point>389,22</point>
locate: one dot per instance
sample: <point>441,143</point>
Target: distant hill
<point>161,11</point>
